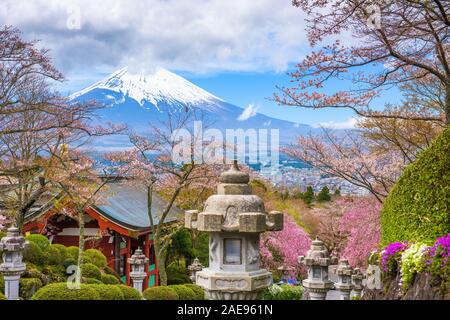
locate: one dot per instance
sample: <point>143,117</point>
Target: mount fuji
<point>138,99</point>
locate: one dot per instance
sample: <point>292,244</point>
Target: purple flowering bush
<point>438,258</point>
<point>391,256</point>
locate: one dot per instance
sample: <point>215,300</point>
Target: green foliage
<point>28,287</point>
<point>109,279</point>
<point>2,284</point>
<point>181,243</point>
<point>33,253</point>
<point>112,272</point>
<point>308,195</point>
<point>199,292</point>
<point>39,239</point>
<point>283,292</point>
<point>89,270</point>
<point>72,252</point>
<point>200,248</point>
<point>2,297</point>
<point>96,257</point>
<point>129,293</point>
<point>184,292</point>
<point>91,281</point>
<point>62,251</point>
<point>69,262</point>
<point>417,208</point>
<point>161,293</point>
<point>337,192</point>
<point>324,195</point>
<point>54,273</point>
<point>33,271</point>
<point>53,255</point>
<point>2,234</point>
<point>60,291</point>
<point>177,274</point>
<point>107,292</point>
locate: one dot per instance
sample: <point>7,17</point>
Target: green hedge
<point>112,272</point>
<point>91,281</point>
<point>418,207</point>
<point>34,254</point>
<point>72,252</point>
<point>107,292</point>
<point>2,284</point>
<point>283,292</point>
<point>199,292</point>
<point>129,293</point>
<point>184,292</point>
<point>60,291</point>
<point>88,270</point>
<point>109,279</point>
<point>53,255</point>
<point>95,257</point>
<point>2,297</point>
<point>62,251</point>
<point>160,293</point>
<point>54,273</point>
<point>39,239</point>
<point>28,287</point>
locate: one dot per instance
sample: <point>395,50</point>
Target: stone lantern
<point>357,279</point>
<point>317,261</point>
<point>234,219</point>
<point>344,284</point>
<point>194,268</point>
<point>12,267</point>
<point>138,274</point>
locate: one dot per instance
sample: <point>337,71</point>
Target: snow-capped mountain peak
<point>161,86</point>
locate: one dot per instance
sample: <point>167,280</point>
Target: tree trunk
<point>161,260</point>
<point>80,246</point>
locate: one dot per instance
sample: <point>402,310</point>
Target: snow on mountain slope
<point>159,88</point>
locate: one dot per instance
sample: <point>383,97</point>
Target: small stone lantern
<point>234,219</point>
<point>317,261</point>
<point>194,268</point>
<point>138,274</point>
<point>344,284</point>
<point>357,279</point>
<point>12,267</point>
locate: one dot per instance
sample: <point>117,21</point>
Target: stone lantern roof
<point>138,257</point>
<point>13,241</point>
<point>234,208</point>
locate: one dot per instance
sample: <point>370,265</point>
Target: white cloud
<point>248,112</point>
<point>197,35</point>
<point>347,124</point>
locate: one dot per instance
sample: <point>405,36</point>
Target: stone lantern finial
<point>234,219</point>
<point>138,274</point>
<point>12,267</point>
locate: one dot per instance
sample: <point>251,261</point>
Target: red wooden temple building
<point>119,224</point>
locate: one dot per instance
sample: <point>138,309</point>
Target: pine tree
<point>308,195</point>
<point>324,195</point>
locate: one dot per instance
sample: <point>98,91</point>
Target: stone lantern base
<point>238,286</point>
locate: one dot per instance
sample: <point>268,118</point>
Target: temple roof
<point>126,205</point>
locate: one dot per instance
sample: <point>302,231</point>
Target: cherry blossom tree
<point>284,247</point>
<point>395,43</point>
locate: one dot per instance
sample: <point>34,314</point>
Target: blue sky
<point>238,50</point>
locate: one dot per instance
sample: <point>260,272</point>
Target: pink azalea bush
<point>361,222</point>
<point>283,247</point>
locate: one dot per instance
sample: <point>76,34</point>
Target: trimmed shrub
<point>88,270</point>
<point>2,284</point>
<point>39,239</point>
<point>91,281</point>
<point>184,293</point>
<point>54,273</point>
<point>95,257</point>
<point>417,208</point>
<point>53,255</point>
<point>33,272</point>
<point>161,293</point>
<point>72,252</point>
<point>62,250</point>
<point>33,253</point>
<point>129,293</point>
<point>28,287</point>
<point>199,292</point>
<point>283,292</point>
<point>69,262</point>
<point>107,292</point>
<point>2,297</point>
<point>112,272</point>
<point>109,279</point>
<point>60,291</point>
<point>177,275</point>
